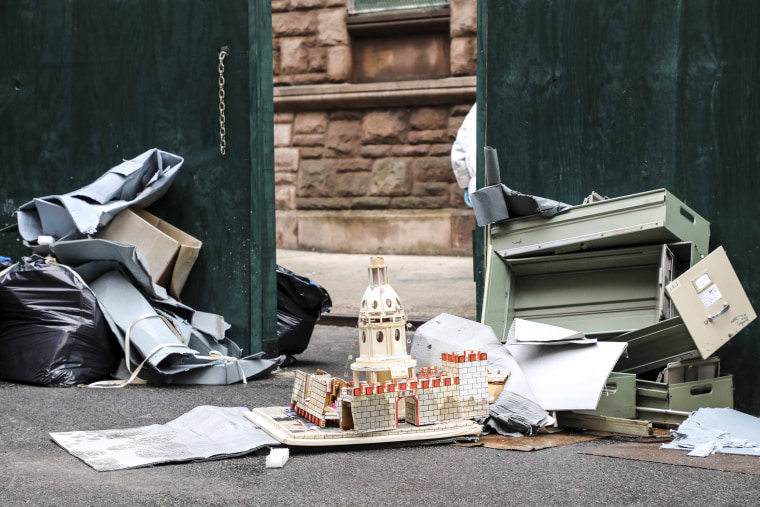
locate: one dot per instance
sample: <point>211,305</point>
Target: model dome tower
<point>382,330</point>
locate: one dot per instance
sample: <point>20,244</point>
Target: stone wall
<point>367,159</point>
<point>391,162</point>
<point>311,43</point>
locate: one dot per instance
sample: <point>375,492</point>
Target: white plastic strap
<point>139,319</point>
<point>133,377</point>
<point>213,355</point>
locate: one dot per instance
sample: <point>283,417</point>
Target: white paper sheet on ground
<point>527,332</point>
<point>202,434</point>
<point>723,430</point>
<point>567,377</point>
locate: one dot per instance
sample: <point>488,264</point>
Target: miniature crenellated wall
<point>472,369</point>
<point>459,390</point>
<point>310,396</point>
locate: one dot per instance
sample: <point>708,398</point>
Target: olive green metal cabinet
<point>656,216</point>
<point>621,97</point>
<point>564,271</point>
<point>85,84</point>
<point>602,293</point>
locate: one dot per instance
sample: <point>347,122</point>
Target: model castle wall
<point>472,370</point>
<point>459,390</point>
<point>310,396</point>
<point>434,405</point>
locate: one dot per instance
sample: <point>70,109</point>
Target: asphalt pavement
<point>35,471</point>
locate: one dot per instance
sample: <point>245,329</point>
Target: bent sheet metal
<point>138,182</point>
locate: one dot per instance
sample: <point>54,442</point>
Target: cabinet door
<point>712,302</point>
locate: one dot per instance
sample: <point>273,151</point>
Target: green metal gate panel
<point>623,97</point>
<point>87,83</point>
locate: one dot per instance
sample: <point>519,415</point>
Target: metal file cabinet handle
<point>721,312</point>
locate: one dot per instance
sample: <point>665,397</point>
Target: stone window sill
<point>415,21</point>
<point>426,92</point>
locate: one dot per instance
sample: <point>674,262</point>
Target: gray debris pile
<point>717,430</point>
<point>631,273</point>
<point>136,266</point>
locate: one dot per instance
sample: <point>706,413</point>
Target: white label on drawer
<point>702,281</point>
<point>710,296</point>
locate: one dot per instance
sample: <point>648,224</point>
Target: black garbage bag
<point>52,331</point>
<point>300,302</point>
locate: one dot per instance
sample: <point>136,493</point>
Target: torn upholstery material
<point>497,202</point>
<point>138,182</point>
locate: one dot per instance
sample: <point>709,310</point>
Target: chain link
<point>222,130</point>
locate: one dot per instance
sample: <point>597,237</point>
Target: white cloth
<point>463,154</point>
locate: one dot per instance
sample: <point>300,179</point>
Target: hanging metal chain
<point>223,52</point>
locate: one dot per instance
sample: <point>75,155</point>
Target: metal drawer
<point>672,403</point>
<point>618,397</point>
<point>604,292</point>
<point>650,217</point>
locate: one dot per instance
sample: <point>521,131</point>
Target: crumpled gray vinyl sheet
<point>213,373</point>
<point>120,279</point>
<point>204,433</point>
<point>514,415</point>
<point>92,258</point>
<point>722,430</point>
<point>447,333</point>
<point>138,182</point>
<point>177,363</point>
<point>497,202</point>
<point>124,305</point>
<point>514,410</point>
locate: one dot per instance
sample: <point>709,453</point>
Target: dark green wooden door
<point>87,83</point>
<point>622,97</point>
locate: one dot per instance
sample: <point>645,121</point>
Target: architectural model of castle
<point>385,386</point>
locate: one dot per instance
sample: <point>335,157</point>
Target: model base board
<point>284,425</point>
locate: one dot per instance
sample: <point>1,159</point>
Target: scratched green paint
<point>622,97</point>
<point>87,83</point>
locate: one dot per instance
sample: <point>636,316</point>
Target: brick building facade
<point>366,109</point>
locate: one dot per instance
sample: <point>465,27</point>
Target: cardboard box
<point>169,252</point>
